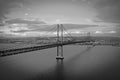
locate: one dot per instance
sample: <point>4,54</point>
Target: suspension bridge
<point>60,41</point>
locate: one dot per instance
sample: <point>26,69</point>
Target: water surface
<point>81,62</point>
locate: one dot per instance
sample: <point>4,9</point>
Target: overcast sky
<point>100,12</point>
<point>76,11</point>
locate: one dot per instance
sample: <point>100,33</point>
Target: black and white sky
<point>105,14</point>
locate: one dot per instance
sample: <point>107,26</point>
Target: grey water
<point>79,63</point>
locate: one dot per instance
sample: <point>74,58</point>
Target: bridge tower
<point>60,41</point>
<point>88,35</point>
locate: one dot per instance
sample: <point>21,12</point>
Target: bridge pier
<point>59,52</point>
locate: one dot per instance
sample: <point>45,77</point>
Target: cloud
<point>112,32</point>
<point>6,7</point>
<point>107,10</point>
<point>19,29</point>
<point>24,21</point>
<point>98,32</point>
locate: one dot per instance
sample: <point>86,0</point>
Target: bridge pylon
<point>59,41</point>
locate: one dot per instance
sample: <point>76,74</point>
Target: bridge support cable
<point>68,34</point>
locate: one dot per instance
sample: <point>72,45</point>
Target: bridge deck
<point>34,48</point>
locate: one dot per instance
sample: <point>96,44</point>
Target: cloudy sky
<point>104,14</point>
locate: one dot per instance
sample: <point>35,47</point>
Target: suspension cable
<point>70,36</point>
<point>52,30</point>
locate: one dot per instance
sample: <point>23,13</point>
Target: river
<point>80,63</point>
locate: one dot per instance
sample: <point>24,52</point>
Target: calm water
<point>80,63</point>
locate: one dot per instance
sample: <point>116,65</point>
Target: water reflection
<point>70,62</point>
<point>60,70</point>
<point>75,57</point>
<point>57,73</point>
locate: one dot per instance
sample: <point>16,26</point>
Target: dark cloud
<point>22,21</point>
<point>2,24</point>
<point>108,10</point>
<point>7,5</point>
<point>78,26</point>
<point>1,32</point>
<point>21,31</point>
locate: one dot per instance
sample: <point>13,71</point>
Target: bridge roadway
<point>34,48</point>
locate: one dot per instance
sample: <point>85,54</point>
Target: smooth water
<point>80,63</point>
